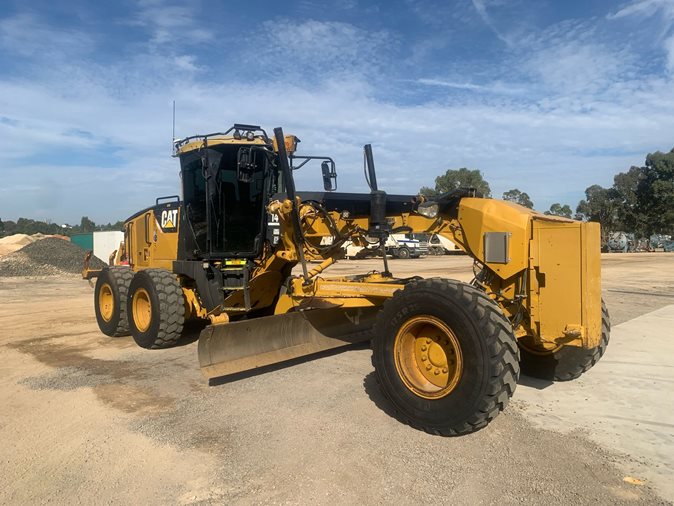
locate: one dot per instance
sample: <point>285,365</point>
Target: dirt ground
<point>96,420</point>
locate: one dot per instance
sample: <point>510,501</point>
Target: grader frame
<point>446,353</point>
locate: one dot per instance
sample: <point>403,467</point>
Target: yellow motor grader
<point>447,354</point>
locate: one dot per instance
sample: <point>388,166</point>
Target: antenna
<point>173,139</point>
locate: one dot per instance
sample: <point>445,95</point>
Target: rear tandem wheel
<point>112,287</point>
<point>564,363</point>
<point>445,356</point>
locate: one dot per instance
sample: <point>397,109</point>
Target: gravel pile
<point>47,257</point>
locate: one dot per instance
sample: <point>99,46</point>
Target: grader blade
<point>241,346</point>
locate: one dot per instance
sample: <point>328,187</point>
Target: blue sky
<point>545,96</point>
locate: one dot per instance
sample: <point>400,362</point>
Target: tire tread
<point>171,308</point>
<point>122,276</point>
<point>503,354</point>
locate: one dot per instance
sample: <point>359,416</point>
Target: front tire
<point>156,308</point>
<point>445,356</point>
<point>403,253</point>
<point>110,294</point>
<point>567,362</point>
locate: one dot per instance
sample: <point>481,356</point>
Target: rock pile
<point>46,257</point>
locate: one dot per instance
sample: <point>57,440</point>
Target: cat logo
<point>169,220</point>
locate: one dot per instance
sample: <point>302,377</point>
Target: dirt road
<point>91,419</point>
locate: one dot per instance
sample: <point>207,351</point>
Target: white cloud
<point>481,8</point>
<point>170,22</point>
<point>25,35</point>
<point>314,49</point>
<point>645,8</point>
<point>576,67</point>
<point>495,87</point>
<point>542,151</point>
<point>663,12</point>
<point>186,62</point>
<point>575,116</point>
<point>669,46</point>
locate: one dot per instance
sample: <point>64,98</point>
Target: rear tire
<point>460,325</point>
<point>112,287</point>
<point>567,362</point>
<point>156,308</point>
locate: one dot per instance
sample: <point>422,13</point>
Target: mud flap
<point>241,346</point>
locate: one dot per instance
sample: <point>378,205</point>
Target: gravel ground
<point>99,420</point>
<point>46,257</point>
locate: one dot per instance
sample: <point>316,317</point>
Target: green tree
<point>454,179</point>
<point>656,193</point>
<point>2,227</point>
<point>119,225</point>
<point>639,201</point>
<point>625,193</point>
<point>557,209</point>
<point>599,205</point>
<point>519,197</point>
<point>28,226</point>
<point>9,227</point>
<point>86,225</point>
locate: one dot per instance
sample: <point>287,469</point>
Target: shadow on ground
<point>371,386</point>
<point>373,391</point>
<point>531,382</point>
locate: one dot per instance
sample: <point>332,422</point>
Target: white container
<point>106,242</point>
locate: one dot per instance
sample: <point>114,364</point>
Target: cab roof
<point>239,134</point>
<point>188,144</point>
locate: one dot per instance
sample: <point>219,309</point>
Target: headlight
<point>428,209</point>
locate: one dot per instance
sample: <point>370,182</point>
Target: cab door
<point>139,232</point>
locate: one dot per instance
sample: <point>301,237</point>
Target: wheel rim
<point>428,357</point>
<point>106,302</point>
<point>142,309</point>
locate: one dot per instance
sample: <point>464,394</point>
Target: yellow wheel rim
<point>142,309</point>
<point>106,302</point>
<point>428,357</point>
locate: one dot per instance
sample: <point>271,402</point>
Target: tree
<point>656,193</point>
<point>557,209</point>
<point>639,201</point>
<point>626,196</point>
<point>518,197</point>
<point>461,178</point>
<point>86,225</point>
<point>9,227</point>
<point>119,225</point>
<point>600,206</point>
<point>30,227</point>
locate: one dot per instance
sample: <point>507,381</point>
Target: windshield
<point>236,208</point>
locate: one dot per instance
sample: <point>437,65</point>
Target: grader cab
<point>447,354</point>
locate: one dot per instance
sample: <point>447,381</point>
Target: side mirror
<point>329,176</point>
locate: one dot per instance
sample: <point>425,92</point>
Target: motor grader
<point>447,354</point>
